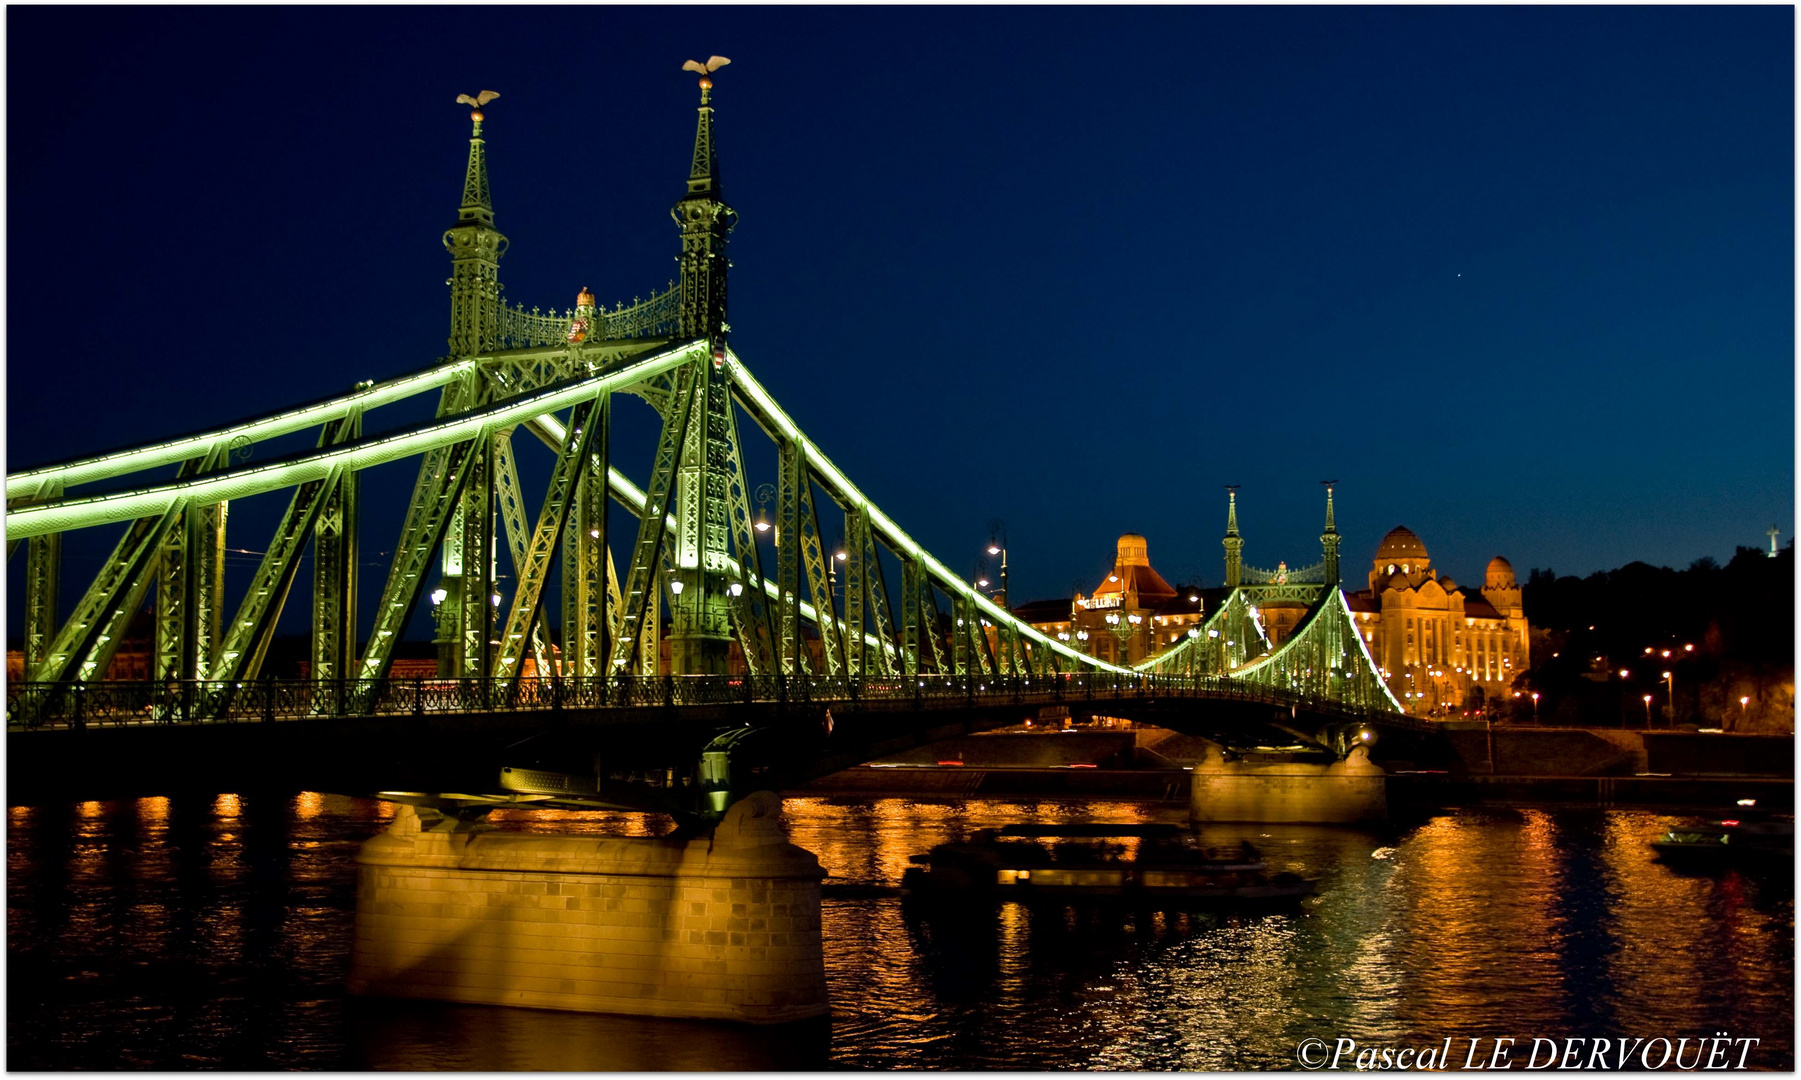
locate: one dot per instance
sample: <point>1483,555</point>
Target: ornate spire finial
<point>714,63</point>
<point>703,176</point>
<point>478,205</point>
<point>1330,527</point>
<point>475,104</point>
<point>1231,509</point>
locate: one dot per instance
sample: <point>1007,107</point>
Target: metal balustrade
<point>31,706</point>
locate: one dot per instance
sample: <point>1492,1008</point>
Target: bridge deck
<point>32,706</point>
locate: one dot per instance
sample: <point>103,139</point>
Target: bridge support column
<point>722,928</point>
<point>1344,792</point>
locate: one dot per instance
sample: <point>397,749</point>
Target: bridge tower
<point>1234,543</point>
<point>1329,540</point>
<point>700,631</point>
<point>465,612</point>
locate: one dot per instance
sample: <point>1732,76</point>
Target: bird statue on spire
<point>477,102</point>
<point>714,63</point>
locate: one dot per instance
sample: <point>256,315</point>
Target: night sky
<point>1521,279</point>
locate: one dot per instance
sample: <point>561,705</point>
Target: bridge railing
<point>73,704</point>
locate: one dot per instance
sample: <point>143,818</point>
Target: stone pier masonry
<point>723,927</point>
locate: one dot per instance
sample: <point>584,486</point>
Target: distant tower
<point>700,629</point>
<point>1234,544</point>
<point>1773,534</point>
<point>1329,539</point>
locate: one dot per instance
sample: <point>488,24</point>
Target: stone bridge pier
<point>1342,792</point>
<point>719,927</point>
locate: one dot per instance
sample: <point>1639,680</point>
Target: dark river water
<point>215,933</point>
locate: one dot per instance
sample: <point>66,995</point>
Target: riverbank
<point>1549,766</point>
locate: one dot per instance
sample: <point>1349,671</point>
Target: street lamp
<point>765,492</point>
<point>1670,677</point>
<point>831,569</point>
<point>997,545</point>
<point>1124,629</point>
<point>1647,711</point>
<point>1535,706</point>
<point>1744,707</point>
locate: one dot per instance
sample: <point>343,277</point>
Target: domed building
<point>1436,642</point>
<point>1133,614</point>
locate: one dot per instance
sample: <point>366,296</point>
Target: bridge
<point>678,679</point>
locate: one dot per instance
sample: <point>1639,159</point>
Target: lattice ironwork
<point>532,566</point>
<point>1221,644</point>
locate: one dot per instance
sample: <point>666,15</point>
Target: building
<point>1131,615</point>
<point>1444,649</point>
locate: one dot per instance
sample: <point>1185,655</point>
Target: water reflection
<point>214,933</point>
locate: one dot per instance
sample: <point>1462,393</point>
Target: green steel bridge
<point>692,631</point>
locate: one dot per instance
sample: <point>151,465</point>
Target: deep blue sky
<point>1519,278</point>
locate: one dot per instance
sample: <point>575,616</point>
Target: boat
<point>1748,835</point>
<point>1096,862</point>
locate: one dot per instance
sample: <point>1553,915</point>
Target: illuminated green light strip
<point>125,462</point>
<point>122,506</point>
<point>773,416</point>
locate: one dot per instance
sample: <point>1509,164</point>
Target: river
<point>176,933</point>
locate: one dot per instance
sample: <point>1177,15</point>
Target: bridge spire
<point>700,619</point>
<point>706,220</point>
<point>1234,543</point>
<point>1329,539</point>
<point>475,248</point>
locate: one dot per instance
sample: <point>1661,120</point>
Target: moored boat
<point>1143,863</point>
<point>1748,835</point>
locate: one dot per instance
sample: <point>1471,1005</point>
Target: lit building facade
<point>1131,615</point>
<point>1436,642</point>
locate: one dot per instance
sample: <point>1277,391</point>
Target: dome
<point>1499,575</point>
<point>1132,572</point>
<point>1400,544</point>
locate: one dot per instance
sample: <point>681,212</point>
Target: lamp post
<point>837,556</point>
<point>1124,629</point>
<point>1670,678</point>
<point>997,545</point>
<point>1744,708</point>
<point>1535,706</point>
<point>1647,712</point>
